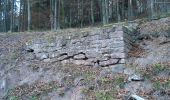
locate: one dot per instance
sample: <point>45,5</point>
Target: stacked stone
<point>129,36</point>
<point>100,47</point>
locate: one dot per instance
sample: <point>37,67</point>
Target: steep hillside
<point>116,62</point>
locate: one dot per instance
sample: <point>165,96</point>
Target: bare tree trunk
<point>63,12</point>
<point>55,15</point>
<point>58,16</point>
<point>70,20</point>
<point>29,15</point>
<point>107,10</point>
<point>103,12</point>
<point>25,19</point>
<point>152,8</point>
<point>118,11</point>
<point>20,18</point>
<point>123,9</point>
<point>5,17</point>
<point>78,11</point>
<point>130,10</point>
<point>12,16</point>
<point>92,12</point>
<point>51,14</point>
<point>81,12</point>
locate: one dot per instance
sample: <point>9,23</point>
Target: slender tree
<point>55,15</point>
<point>29,15</point>
<point>92,11</point>
<point>12,15</point>
<point>118,11</point>
<point>58,14</point>
<point>151,13</point>
<point>130,10</point>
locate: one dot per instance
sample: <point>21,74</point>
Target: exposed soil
<point>23,79</point>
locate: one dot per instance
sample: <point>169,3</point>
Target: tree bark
<point>103,12</point>
<point>55,15</point>
<point>92,12</point>
<point>12,16</point>
<point>29,15</point>
<point>118,11</point>
<point>152,9</point>
<point>130,10</point>
<point>58,16</point>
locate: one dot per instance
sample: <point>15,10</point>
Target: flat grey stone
<point>108,62</point>
<point>119,68</point>
<point>42,56</point>
<point>3,87</point>
<point>117,55</point>
<point>79,57</point>
<point>135,77</point>
<point>122,61</point>
<point>129,71</point>
<point>63,57</point>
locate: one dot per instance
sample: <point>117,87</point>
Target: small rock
<point>79,57</point>
<point>136,97</point>
<point>42,56</point>
<point>29,50</point>
<point>119,68</point>
<point>66,61</point>
<point>122,61</point>
<point>96,65</point>
<point>118,55</point>
<point>3,84</point>
<point>136,77</point>
<point>63,57</point>
<point>79,62</point>
<point>88,63</point>
<point>104,58</point>
<point>3,87</point>
<point>108,62</point>
<point>47,60</point>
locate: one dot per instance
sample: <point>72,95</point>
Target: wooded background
<point>23,15</point>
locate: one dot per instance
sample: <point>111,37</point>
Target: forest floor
<point>146,73</point>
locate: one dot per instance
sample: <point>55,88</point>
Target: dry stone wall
<point>96,48</point>
<point>130,36</point>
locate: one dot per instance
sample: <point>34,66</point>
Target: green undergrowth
<point>33,92</point>
<point>153,74</point>
<point>97,87</point>
<point>158,85</point>
<point>104,95</point>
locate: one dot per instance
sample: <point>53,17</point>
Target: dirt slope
<point>24,78</point>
